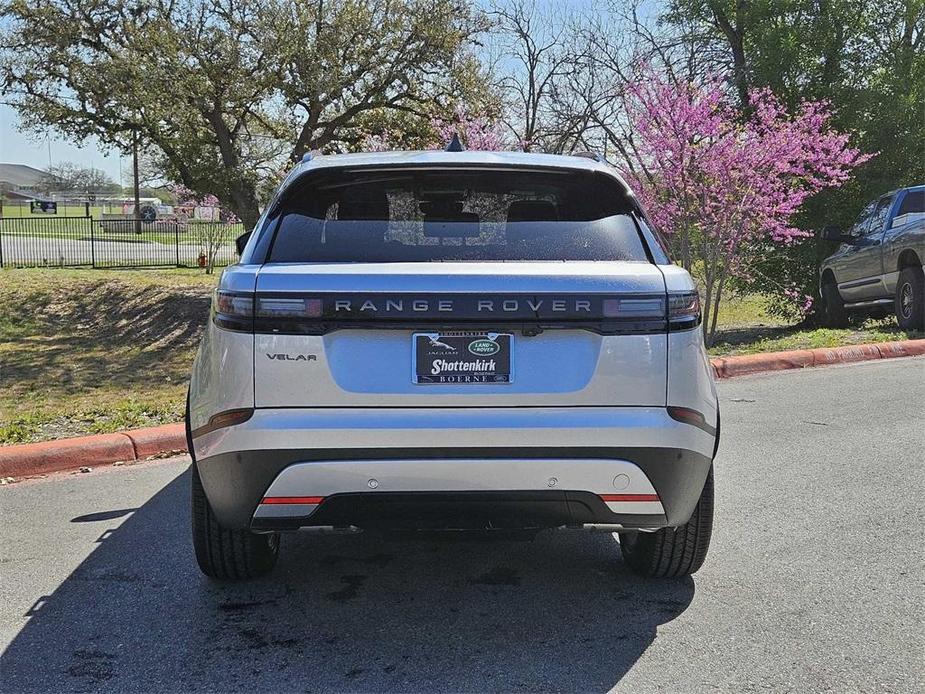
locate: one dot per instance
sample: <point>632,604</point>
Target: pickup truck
<point>878,270</point>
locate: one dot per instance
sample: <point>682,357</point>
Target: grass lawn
<point>745,327</point>
<point>90,351</point>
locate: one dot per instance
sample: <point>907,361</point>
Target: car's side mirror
<point>241,242</point>
<point>833,232</point>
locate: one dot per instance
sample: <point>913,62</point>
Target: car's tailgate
<point>369,363</point>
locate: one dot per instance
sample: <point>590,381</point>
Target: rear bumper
<point>471,510</point>
<point>456,467</point>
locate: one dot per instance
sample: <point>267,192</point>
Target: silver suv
<point>455,341</point>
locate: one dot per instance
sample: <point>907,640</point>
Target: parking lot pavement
<point>814,581</point>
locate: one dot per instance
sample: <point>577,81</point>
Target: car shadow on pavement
<point>340,613</point>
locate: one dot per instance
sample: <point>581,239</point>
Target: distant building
<point>21,182</point>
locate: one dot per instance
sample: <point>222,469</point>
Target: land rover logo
<point>484,348</point>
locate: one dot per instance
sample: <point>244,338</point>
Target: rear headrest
<point>532,211</point>
<point>363,209</point>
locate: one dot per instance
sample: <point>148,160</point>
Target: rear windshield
<point>433,215</point>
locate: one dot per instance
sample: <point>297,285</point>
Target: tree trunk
<point>248,214</point>
<point>715,311</point>
<point>241,198</point>
<point>686,262</point>
<point>706,308</point>
<point>734,32</point>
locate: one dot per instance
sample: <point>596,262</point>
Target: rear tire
<point>910,299</point>
<point>673,552</point>
<point>835,314</point>
<point>228,555</point>
<point>225,555</point>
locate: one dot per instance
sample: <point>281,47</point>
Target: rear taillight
<point>288,307</point>
<point>683,310</point>
<point>238,311</point>
<point>233,310</point>
<point>634,307</point>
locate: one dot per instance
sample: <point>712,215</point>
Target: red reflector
<point>228,418</point>
<point>685,415</point>
<point>292,500</point>
<point>629,497</point>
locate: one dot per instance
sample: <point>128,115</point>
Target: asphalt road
<point>815,581</point>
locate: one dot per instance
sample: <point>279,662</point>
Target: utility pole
<point>135,180</point>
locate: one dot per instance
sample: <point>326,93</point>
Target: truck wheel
<point>673,552</point>
<point>910,299</point>
<point>835,314</point>
<point>228,555</point>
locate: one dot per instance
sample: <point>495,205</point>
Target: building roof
<point>14,194</point>
<point>20,176</point>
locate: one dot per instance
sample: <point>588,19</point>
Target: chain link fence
<point>115,243</point>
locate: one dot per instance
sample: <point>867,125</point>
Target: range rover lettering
<point>453,341</point>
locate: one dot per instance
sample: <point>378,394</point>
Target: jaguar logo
<point>484,347</point>
<point>292,357</point>
<point>434,342</point>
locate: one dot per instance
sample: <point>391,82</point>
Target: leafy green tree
<point>225,92</point>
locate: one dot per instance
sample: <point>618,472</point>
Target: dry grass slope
<point>89,351</point>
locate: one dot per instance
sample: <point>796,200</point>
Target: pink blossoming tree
<point>722,186</point>
<point>210,235</point>
<point>476,132</point>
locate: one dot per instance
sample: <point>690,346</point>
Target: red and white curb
<point>726,367</point>
<point>142,444</point>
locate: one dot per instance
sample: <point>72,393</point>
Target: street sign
<point>43,207</point>
<point>148,213</point>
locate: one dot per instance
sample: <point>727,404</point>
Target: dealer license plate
<point>462,357</point>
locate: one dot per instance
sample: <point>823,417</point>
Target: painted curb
<point>140,444</point>
<point>88,451</point>
<point>157,440</point>
<point>64,454</point>
<point>727,367</point>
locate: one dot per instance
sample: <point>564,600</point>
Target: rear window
<point>913,202</point>
<point>433,215</point>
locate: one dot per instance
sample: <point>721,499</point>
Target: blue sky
<point>18,148</point>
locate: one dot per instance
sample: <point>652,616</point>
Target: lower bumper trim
<point>236,482</point>
<point>494,510</point>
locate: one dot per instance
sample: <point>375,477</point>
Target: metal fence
<point>114,243</point>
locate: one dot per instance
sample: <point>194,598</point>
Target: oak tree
<point>225,92</point>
